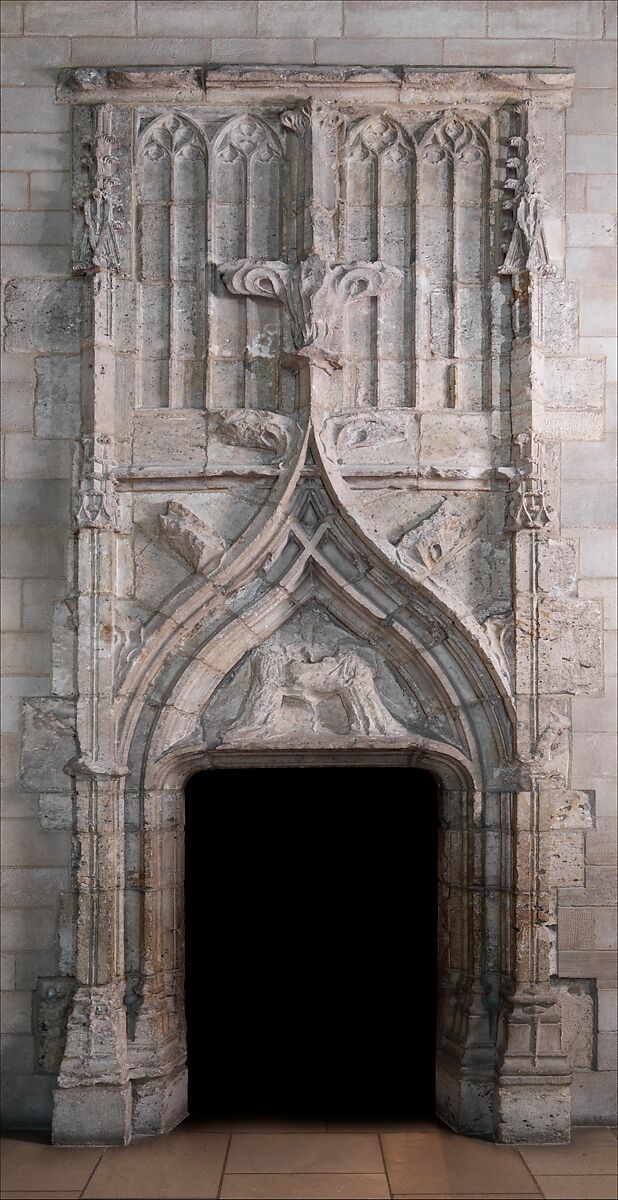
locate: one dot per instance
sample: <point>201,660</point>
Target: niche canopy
<point>317,521</point>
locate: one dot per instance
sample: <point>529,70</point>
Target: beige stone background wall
<point>39,38</point>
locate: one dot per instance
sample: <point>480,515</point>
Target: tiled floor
<point>276,1162</point>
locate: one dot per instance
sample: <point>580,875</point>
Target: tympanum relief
<point>316,512</point>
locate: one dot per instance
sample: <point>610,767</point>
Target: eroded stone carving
<point>527,249</point>
<point>101,207</point>
<point>437,535</point>
<point>95,494</point>
<point>257,429</point>
<point>190,537</point>
<point>285,678</point>
<point>313,294</point>
<point>528,505</point>
<point>552,748</point>
<point>454,137</point>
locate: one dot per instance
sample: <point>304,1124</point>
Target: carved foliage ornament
<point>527,250</point>
<point>96,500</point>
<point>312,293</point>
<point>99,249</point>
<point>453,138</point>
<point>528,505</point>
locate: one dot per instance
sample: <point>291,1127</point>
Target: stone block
<point>27,845</point>
<point>56,810</point>
<point>30,457</point>
<point>50,189</point>
<point>207,18</point>
<point>595,714</point>
<point>597,314</point>
<point>594,1098</point>
<point>172,437</point>
<point>30,964</point>
<point>299,18</point>
<point>26,653</point>
<point>592,110</point>
<point>34,60</point>
<point>379,51</point>
<point>588,964</point>
<point>574,383</point>
<point>608,1010</point>
<point>576,929</point>
<point>590,462</point>
<point>570,660</point>
<point>50,740</point>
<point>17,1012</point>
<point>57,404</point>
<point>591,229</point>
<point>455,439</point>
<point>18,1053</point>
<point>564,851</point>
<point>26,1101</point>
<point>590,154</point>
<point>588,505</point>
<point>598,555</point>
<point>14,188</point>
<point>7,972</point>
<point>607,1052</point>
<point>92,1116</point>
<point>600,889</point>
<point>605,347</point>
<point>35,151</point>
<point>600,194</point>
<point>262,50</point>
<point>602,844</point>
<point>577,1023</point>
<point>24,887</point>
<point>423,18</point>
<point>22,262</point>
<point>545,18</point>
<point>52,1005</point>
<point>35,228</point>
<point>573,426</point>
<point>10,604</point>
<point>140,51</point>
<point>33,110</point>
<point>592,265</point>
<point>460,52</point>
<point>43,315</point>
<point>14,688</point>
<point>32,501</point>
<point>557,567</point>
<point>17,408</point>
<point>74,19</point>
<point>560,316</point>
<point>33,927</point>
<point>11,17</point>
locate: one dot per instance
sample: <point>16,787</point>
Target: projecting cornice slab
<point>426,85</point>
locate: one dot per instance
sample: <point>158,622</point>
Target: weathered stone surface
<point>316,509</point>
<point>44,315</point>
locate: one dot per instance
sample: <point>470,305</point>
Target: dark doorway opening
<point>311,943</point>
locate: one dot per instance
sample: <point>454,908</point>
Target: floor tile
<point>394,1126</point>
<point>471,1196</point>
<point>30,1163</point>
<point>187,1163</point>
<point>432,1164</point>
<point>40,1195</point>
<point>578,1187</point>
<point>291,1152</point>
<point>313,1186</point>
<point>590,1151</point>
<point>251,1125</point>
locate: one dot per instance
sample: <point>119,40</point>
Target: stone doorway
<point>311,944</point>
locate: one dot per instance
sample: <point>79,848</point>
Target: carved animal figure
<point>276,677</point>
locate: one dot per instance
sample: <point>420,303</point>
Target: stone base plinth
<point>159,1104</point>
<point>532,1112</point>
<point>92,1115</point>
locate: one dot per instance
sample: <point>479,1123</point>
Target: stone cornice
<point>419,86</point>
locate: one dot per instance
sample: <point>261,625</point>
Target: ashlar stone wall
<point>453,435</point>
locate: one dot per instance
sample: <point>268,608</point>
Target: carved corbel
<point>313,294</point>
